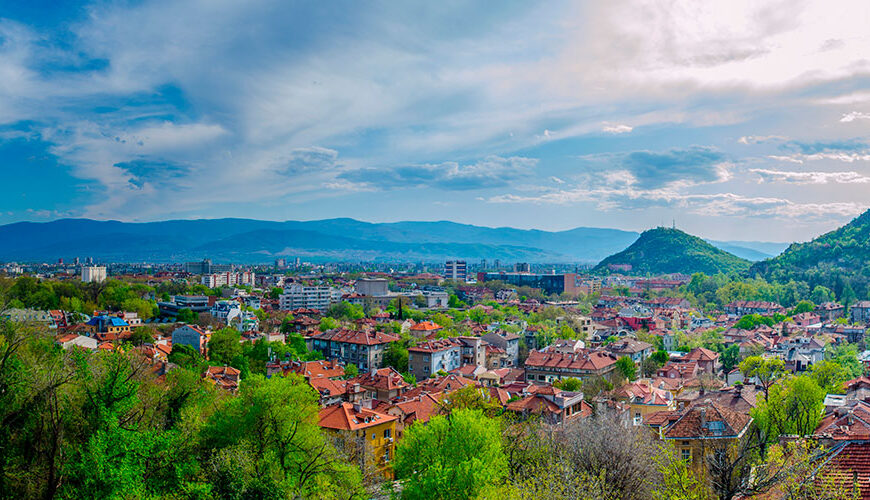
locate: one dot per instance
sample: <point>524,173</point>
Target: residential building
<point>635,349</point>
<point>456,270</point>
<point>509,342</point>
<point>309,297</point>
<point>359,422</point>
<point>226,310</point>
<point>830,311</point>
<point>384,384</point>
<point>553,405</point>
<point>644,398</point>
<point>92,274</point>
<point>546,367</point>
<point>70,340</point>
<point>190,335</point>
<point>705,428</point>
<point>225,377</point>
<point>364,349</point>
<point>707,360</point>
<point>860,312</point>
<point>473,351</point>
<point>743,307</point>
<point>429,357</point>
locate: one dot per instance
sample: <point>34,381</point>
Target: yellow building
<point>374,430</point>
<point>645,399</point>
<point>703,428</point>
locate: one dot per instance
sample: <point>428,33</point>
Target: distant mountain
<point>664,250</point>
<point>254,241</point>
<point>746,252</point>
<point>837,260</point>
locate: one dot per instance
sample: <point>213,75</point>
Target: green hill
<point>838,260</point>
<point>665,251</point>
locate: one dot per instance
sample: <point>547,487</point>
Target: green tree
<point>351,371</point>
<point>626,367</point>
<point>396,356</point>
<point>266,443</point>
<point>830,376</point>
<point>142,335</point>
<point>730,357</point>
<point>224,346</point>
<point>450,458</point>
<point>185,315</point>
<point>766,370</point>
<point>793,406</point>
<point>569,384</point>
<point>803,306</point>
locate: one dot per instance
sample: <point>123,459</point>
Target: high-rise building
<point>522,267</point>
<point>281,263</point>
<point>60,261</point>
<point>93,274</point>
<point>456,270</point>
<point>76,261</point>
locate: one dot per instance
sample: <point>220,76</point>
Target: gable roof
<point>708,420</point>
<point>347,416</point>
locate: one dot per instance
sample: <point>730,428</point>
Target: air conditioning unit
<point>390,439</point>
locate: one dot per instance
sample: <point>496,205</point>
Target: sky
<point>736,120</point>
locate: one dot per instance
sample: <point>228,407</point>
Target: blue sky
<point>739,120</point>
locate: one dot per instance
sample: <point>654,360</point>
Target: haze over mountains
<point>256,241</point>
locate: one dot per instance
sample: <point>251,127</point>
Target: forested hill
<point>664,250</point>
<point>839,260</point>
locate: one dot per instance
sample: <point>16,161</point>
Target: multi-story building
<point>637,350</point>
<point>206,267</point>
<point>456,270</point>
<point>509,342</point>
<point>473,350</point>
<point>545,367</point>
<point>364,349</point>
<point>427,358</point>
<point>190,335</point>
<point>93,274</point>
<point>743,307</point>
<point>375,430</point>
<point>372,287</point>
<point>216,280</point>
<point>309,297</point>
<point>548,283</point>
<point>196,303</point>
<point>860,312</point>
<point>830,311</point>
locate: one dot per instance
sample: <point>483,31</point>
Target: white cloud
<point>759,139</point>
<point>617,128</point>
<point>766,175</point>
<point>854,115</point>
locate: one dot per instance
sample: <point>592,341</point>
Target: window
<point>386,433</point>
<point>687,454</point>
<point>373,436</point>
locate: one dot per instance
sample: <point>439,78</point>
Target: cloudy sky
<point>737,119</point>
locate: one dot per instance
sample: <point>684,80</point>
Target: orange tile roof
<point>346,416</point>
<point>425,326</point>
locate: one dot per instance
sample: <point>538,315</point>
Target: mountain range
<point>259,241</point>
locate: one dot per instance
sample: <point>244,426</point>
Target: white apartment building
<point>93,273</point>
<point>310,297</point>
<point>217,280</point>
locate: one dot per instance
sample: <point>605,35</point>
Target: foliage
<point>626,367</point>
<point>664,251</point>
<point>793,406</point>
<point>450,458</point>
<point>224,346</point>
<point>351,371</point>
<point>837,260</point>
<point>569,384</point>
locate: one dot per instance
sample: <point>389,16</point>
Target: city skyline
<point>739,121</point>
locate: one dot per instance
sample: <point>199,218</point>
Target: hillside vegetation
<point>839,260</point>
<point>665,250</point>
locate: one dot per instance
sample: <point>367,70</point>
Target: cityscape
<point>406,251</point>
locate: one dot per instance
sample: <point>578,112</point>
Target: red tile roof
<point>346,416</point>
<point>708,420</point>
<point>356,337</point>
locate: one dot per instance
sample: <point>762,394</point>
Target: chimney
<point>703,412</point>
